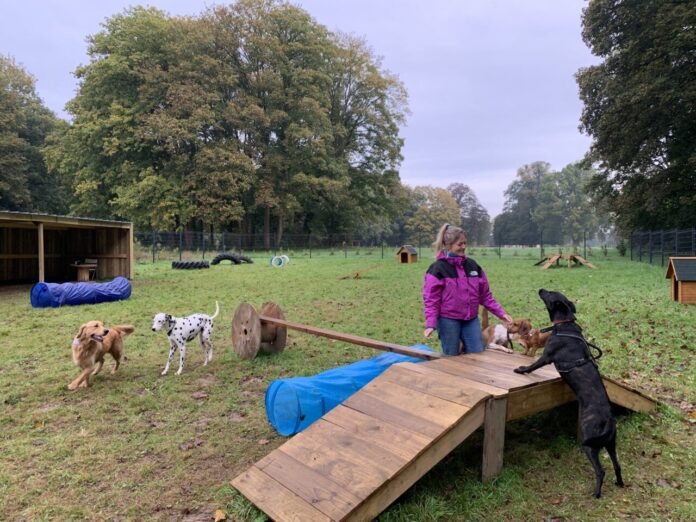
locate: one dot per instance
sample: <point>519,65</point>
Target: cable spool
<point>250,334</point>
<point>277,261</point>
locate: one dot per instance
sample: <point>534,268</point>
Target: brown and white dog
<point>531,339</point>
<point>92,343</point>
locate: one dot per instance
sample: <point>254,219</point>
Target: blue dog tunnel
<point>45,295</point>
<point>293,404</point>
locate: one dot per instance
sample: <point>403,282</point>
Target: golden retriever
<point>92,343</point>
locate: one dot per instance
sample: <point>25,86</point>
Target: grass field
<point>139,446</point>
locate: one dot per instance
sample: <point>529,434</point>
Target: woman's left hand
<point>507,318</point>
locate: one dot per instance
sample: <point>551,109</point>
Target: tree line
<point>254,118</point>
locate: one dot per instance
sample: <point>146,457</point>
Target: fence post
<point>309,241</point>
<point>630,243</point>
<point>662,248</point>
<point>181,242</point>
<point>153,245</point>
<point>584,244</point>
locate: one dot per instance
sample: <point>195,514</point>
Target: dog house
<point>681,271</point>
<point>48,248</point>
<point>407,254</point>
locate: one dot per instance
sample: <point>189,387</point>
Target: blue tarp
<point>61,294</point>
<point>295,403</point>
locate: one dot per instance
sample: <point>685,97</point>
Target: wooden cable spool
<point>268,331</point>
<point>250,333</point>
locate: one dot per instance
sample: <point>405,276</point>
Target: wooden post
<point>493,438</point>
<point>42,264</point>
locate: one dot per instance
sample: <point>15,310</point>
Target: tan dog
<point>91,344</point>
<point>530,338</point>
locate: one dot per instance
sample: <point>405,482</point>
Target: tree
<point>473,217</point>
<point>521,202</point>
<point>231,118</point>
<point>25,123</point>
<point>436,206</point>
<point>565,212</point>
<point>638,107</point>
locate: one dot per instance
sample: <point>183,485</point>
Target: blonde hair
<point>447,236</point>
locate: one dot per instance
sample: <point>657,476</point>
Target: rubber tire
<point>226,257</point>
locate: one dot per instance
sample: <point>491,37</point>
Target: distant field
<point>138,446</point>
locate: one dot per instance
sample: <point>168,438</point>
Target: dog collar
<point>549,328</point>
<point>76,342</point>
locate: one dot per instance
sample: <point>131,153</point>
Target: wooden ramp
<point>361,456</point>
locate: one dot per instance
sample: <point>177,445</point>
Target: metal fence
<point>202,245</point>
<point>197,245</point>
<point>658,245</point>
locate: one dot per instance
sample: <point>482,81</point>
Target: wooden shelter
<point>407,254</point>
<point>43,247</point>
<point>682,273</point>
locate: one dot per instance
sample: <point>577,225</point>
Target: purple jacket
<point>454,287</point>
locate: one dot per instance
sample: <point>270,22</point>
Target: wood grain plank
<point>374,407</point>
<point>513,360</point>
<point>449,375</point>
<point>507,367</point>
<point>274,499</point>
<point>542,397</point>
<point>313,487</point>
<point>493,438</point>
<point>396,439</point>
<point>430,384</point>
<point>431,408</point>
<point>500,379</point>
<point>441,447</point>
<point>356,465</point>
<point>624,396</point>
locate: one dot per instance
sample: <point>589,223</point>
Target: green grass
<point>139,446</point>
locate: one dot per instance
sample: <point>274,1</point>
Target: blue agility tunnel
<point>45,295</point>
<point>295,403</point>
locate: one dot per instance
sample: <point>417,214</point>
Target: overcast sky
<point>491,82</point>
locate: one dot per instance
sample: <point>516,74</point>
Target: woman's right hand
<point>428,331</point>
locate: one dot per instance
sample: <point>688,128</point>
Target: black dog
<point>570,354</point>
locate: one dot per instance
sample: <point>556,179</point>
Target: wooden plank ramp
<point>361,456</point>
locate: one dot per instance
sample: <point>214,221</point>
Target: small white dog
<point>181,330</point>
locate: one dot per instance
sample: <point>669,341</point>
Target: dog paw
<point>179,372</point>
<point>520,369</point>
<point>164,372</point>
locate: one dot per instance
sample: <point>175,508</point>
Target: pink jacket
<point>454,287</point>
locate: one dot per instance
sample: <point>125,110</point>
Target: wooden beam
<point>42,263</point>
<point>352,339</point>
<point>628,398</point>
<point>493,438</point>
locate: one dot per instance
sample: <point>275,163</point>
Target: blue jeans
<point>452,331</point>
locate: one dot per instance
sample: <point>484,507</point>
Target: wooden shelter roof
<point>31,219</point>
<point>682,268</point>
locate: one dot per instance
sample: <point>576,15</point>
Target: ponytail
<point>446,237</point>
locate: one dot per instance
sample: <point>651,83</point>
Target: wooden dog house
<point>48,248</point>
<point>682,273</point>
<point>407,254</point>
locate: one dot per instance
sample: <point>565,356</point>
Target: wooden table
<point>83,270</point>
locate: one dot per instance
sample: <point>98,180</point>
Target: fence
<point>199,245</point>
<point>659,245</point>
<point>192,245</point>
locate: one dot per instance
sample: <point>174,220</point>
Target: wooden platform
<point>362,455</point>
<point>571,259</point>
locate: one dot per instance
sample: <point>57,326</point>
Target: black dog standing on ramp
<point>568,350</point>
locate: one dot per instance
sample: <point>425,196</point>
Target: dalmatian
<point>181,330</point>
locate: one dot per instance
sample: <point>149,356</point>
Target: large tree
<point>516,224</point>
<point>639,109</point>
<point>435,207</point>
<point>25,124</point>
<point>252,114</point>
<point>473,217</point>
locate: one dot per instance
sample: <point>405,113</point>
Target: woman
<point>453,288</point>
